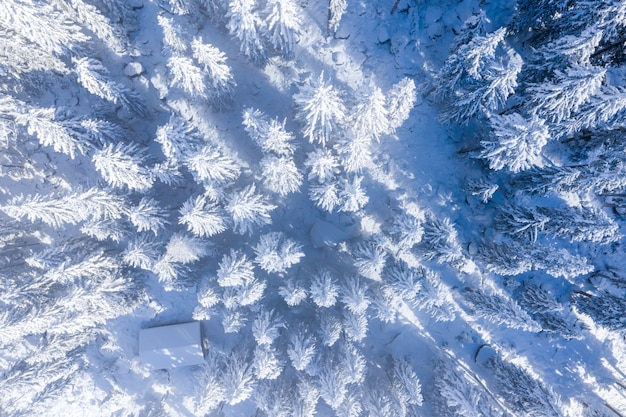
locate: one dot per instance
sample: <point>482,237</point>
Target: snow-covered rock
<point>133,69</point>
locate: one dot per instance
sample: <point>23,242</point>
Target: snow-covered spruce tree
<point>62,135</point>
<point>269,135</point>
<point>322,164</point>
<point>433,297</point>
<point>371,117</point>
<point>324,290</point>
<point>523,393</point>
<point>332,385</point>
<point>330,329</point>
<point>276,253</point>
<point>605,309</point>
<point>461,394</point>
<point>351,195</point>
<point>500,310</point>
<point>369,259</point>
<point>248,27</point>
<point>266,327</point>
<point>237,377</point>
<point>148,215</point>
<point>174,40</point>
<point>283,24</point>
<point>516,142</point>
<point>546,311</point>
<point>481,189</point>
<point>187,76</point>
<point>208,297</point>
<point>123,165</point>
<point>521,222</point>
<point>74,208</point>
<point>404,281</point>
<point>43,25</point>
<point>354,294</point>
<point>91,18</point>
<point>234,269</point>
<point>280,175</point>
<point>400,100</point>
<point>184,7</point>
<point>558,100</point>
<point>320,108</point>
<point>178,139</point>
<point>336,10</point>
<point>266,363</point>
<point>304,404</point>
<point>354,152</point>
<point>326,195</point>
<point>202,217</point>
<point>406,384</point>
<point>211,165</point>
<point>209,393</point>
<point>92,75</point>
<point>141,252</point>
<point>440,241</point>
<point>386,304</point>
<point>354,326</point>
<point>26,58</point>
<point>221,80</point>
<point>478,77</point>
<point>249,210</point>
<point>406,229</point>
<point>302,349</point>
<point>353,364</point>
<point>293,292</point>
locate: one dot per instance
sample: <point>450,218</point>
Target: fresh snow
<point>369,208</point>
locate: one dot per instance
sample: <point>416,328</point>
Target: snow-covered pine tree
<point>326,195</point>
<point>516,142</point>
<point>603,308</point>
<point>174,40</point>
<point>354,152</point>
<point>320,107</point>
<point>354,294</point>
<point>280,174</point>
<point>220,77</point>
<point>520,221</point>
<point>371,116</point>
<point>522,392</point>
<point>266,327</point>
<point>332,385</point>
<point>351,194</point>
<point>370,258</point>
<point>557,100</point>
<point>202,217</point>
<point>324,290</point>
<point>500,310</point>
<point>91,18</point>
<point>123,165</point>
<point>481,188</point>
<point>187,76</point>
<point>322,165</point>
<point>43,25</point>
<point>208,297</point>
<point>249,210</point>
<point>210,165</point>
<point>141,252</point>
<point>404,281</point>
<point>277,139</point>
<point>304,404</point>
<point>336,10</point>
<point>276,253</point>
<point>247,26</point>
<point>61,135</point>
<point>406,229</point>
<point>354,326</point>
<point>283,24</point>
<point>266,363</point>
<point>293,292</point>
<point>148,215</point>
<point>440,241</point>
<point>237,377</point>
<point>330,329</point>
<point>209,393</point>
<point>92,75</point>
<point>302,349</point>
<point>234,269</point>
<point>73,208</point>
<point>178,139</point>
<point>400,100</point>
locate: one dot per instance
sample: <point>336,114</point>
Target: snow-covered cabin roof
<point>171,346</point>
